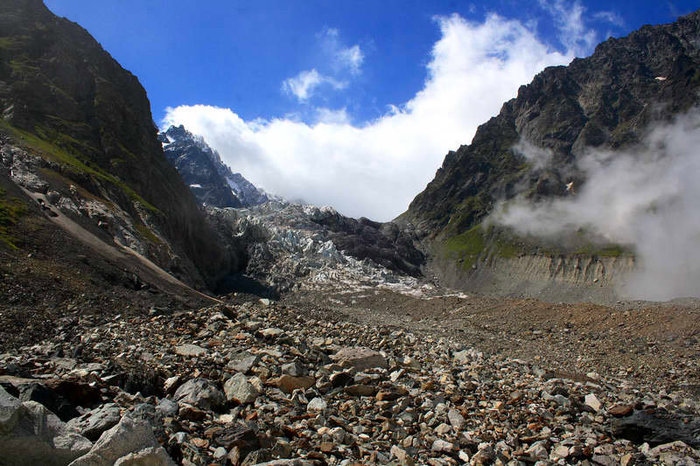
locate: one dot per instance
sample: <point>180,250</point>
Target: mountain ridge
<point>606,102</point>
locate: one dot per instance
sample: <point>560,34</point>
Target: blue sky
<point>331,101</point>
<point>236,54</point>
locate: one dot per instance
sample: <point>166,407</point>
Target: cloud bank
<point>647,198</point>
<point>375,170</point>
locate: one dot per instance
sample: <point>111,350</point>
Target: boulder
<point>201,393</point>
<point>31,434</point>
<point>93,423</point>
<point>238,389</point>
<point>190,350</point>
<point>360,358</point>
<point>131,442</point>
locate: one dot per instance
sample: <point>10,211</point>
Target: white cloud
<point>569,20</point>
<point>646,197</point>
<point>342,57</point>
<point>341,62</point>
<point>610,17</point>
<point>330,116</point>
<point>376,169</point>
<point>351,58</point>
<point>303,85</point>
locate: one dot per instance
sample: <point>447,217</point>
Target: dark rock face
<point>385,244</point>
<point>91,118</point>
<point>196,163</point>
<point>605,100</point>
<point>210,180</point>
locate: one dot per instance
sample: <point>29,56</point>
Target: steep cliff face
<point>605,101</point>
<point>66,100</point>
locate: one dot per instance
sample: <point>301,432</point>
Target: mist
<point>647,197</point>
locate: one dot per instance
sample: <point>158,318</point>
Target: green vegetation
<point>613,250</point>
<point>482,242</point>
<point>52,150</point>
<point>11,209</point>
<point>466,247</point>
<point>148,234</point>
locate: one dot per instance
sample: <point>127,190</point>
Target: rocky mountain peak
<point>606,101</point>
<point>211,181</point>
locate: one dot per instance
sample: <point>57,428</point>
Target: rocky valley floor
<point>359,375</point>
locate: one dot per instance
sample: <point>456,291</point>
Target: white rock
<point>316,405</point>
<point>592,402</point>
<point>190,350</point>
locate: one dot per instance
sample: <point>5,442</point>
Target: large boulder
<point>30,434</point>
<point>201,393</point>
<point>93,423</point>
<point>131,442</point>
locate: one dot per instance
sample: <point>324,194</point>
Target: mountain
<point>211,181</point>
<point>79,138</point>
<point>606,101</point>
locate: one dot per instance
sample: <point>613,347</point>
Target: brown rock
<point>288,383</point>
<point>360,390</point>
<point>360,358</point>
<point>392,394</point>
<point>191,413</point>
<point>621,410</point>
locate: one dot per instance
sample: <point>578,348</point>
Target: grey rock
<point>167,407</point>
<point>93,423</point>
<point>31,434</point>
<point>360,358</point>
<point>190,350</point>
<point>242,361</point>
<point>201,393</point>
<point>131,441</point>
<point>294,368</point>
<point>238,389</point>
<point>9,411</point>
<point>456,419</point>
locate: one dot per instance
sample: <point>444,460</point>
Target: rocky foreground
<point>260,383</point>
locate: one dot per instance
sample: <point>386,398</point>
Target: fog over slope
<point>646,197</point>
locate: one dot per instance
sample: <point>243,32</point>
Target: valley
<point>158,308</point>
